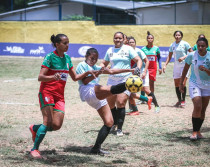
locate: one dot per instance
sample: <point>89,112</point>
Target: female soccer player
<point>95,95</point>
<point>153,54</point>
<point>179,49</point>
<point>145,77</point>
<point>195,46</point>
<point>53,76</point>
<point>120,57</point>
<point>199,84</point>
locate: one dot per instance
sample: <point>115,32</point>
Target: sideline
<point>25,104</point>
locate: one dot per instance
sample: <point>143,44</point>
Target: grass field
<point>150,139</point>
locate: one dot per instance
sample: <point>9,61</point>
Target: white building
<point>116,12</point>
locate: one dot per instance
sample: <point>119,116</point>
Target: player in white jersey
<point>199,84</point>
<point>179,50</point>
<point>95,95</point>
<point>119,57</point>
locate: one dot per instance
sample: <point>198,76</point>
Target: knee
<point>56,127</point>
<point>109,123</point>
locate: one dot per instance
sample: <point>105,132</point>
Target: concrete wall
<point>86,32</point>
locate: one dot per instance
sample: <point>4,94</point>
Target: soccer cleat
<point>149,103</point>
<point>128,111</point>
<point>134,113</point>
<point>157,109</point>
<point>98,151</point>
<point>35,154</point>
<point>193,137</point>
<point>32,132</point>
<point>119,132</point>
<point>199,135</point>
<point>182,103</point>
<point>178,104</point>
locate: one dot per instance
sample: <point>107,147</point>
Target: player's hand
<point>160,71</point>
<point>202,68</point>
<point>181,88</point>
<point>164,68</point>
<point>143,75</point>
<point>57,76</point>
<point>181,59</point>
<point>137,71</point>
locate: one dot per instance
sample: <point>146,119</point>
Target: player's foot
<point>128,111</point>
<point>182,103</point>
<point>149,103</point>
<point>157,109</point>
<point>119,132</point>
<point>35,154</point>
<point>134,113</point>
<point>178,104</point>
<point>32,132</point>
<point>113,128</point>
<point>199,135</point>
<point>194,136</point>
<point>98,151</point>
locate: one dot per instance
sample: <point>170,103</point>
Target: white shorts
<point>177,72</point>
<point>146,80</point>
<point>87,93</point>
<point>196,91</point>
<point>118,81</point>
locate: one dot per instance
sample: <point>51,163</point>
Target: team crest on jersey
<point>207,63</point>
<point>123,53</point>
<point>47,99</point>
<point>111,54</point>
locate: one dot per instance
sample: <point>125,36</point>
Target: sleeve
<point>188,59</point>
<point>97,67</point>
<point>141,54</point>
<point>194,47</point>
<point>171,48</point>
<point>132,53</point>
<point>47,61</point>
<point>70,63</point>
<point>106,57</point>
<point>80,69</point>
<point>187,45</point>
<point>159,58</point>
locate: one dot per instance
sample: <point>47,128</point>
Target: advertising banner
<point>75,50</point>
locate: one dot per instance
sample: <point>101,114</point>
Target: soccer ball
<point>134,84</point>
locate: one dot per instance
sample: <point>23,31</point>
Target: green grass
<point>150,139</point>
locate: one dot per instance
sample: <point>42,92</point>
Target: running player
<point>95,95</point>
<point>120,57</point>
<point>153,54</point>
<point>145,77</point>
<point>179,49</point>
<point>195,46</point>
<point>199,84</point>
<point>53,76</point>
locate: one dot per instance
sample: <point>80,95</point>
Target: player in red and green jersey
<point>53,76</point>
<point>153,54</point>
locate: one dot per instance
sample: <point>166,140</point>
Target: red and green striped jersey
<point>56,64</point>
<point>152,54</point>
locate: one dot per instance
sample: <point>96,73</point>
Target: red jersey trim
<point>45,66</point>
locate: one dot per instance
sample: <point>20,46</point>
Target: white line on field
<point>15,80</point>
<point>26,104</point>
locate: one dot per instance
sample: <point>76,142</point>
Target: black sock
<point>196,123</point>
<point>178,93</point>
<point>200,124</point>
<point>121,118</point>
<point>36,127</point>
<point>102,134</point>
<point>184,94</point>
<point>154,99</point>
<point>117,89</point>
<point>115,115</point>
